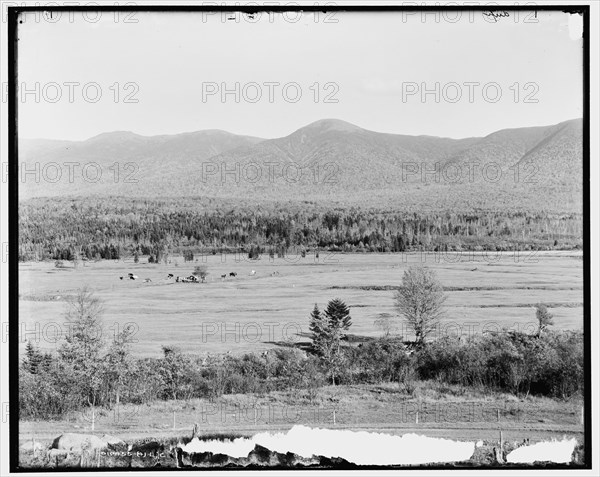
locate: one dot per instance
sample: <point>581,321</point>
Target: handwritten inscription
<point>495,15</point>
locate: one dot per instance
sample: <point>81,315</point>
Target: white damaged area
<point>358,447</point>
<point>558,452</point>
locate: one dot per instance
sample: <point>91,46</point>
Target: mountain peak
<point>333,125</point>
<point>115,135</point>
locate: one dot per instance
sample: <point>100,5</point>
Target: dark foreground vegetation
<point>550,365</point>
<point>118,228</point>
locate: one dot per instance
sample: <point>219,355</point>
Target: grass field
<point>254,312</point>
<point>466,414</point>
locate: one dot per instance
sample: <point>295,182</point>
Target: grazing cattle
<point>253,272</point>
<point>190,279</point>
<point>233,274</point>
<point>147,280</point>
<point>223,277</point>
<point>120,278</point>
<point>275,274</point>
<point>133,277</point>
<point>170,275</point>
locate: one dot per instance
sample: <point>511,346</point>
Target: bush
<point>550,364</point>
<point>381,360</point>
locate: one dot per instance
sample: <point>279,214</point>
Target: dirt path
<point>463,433</point>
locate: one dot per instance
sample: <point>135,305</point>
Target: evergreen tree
<point>327,329</point>
<point>317,327</point>
<point>34,359</point>
<point>337,315</point>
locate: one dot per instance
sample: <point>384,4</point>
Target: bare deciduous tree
<point>385,323</point>
<point>81,354</point>
<point>420,300</point>
<point>544,317</point>
<point>201,271</point>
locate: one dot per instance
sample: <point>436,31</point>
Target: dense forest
<point>115,228</point>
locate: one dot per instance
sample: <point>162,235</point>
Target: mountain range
<point>328,160</point>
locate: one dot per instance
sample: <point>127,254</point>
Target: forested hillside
<point>330,185</point>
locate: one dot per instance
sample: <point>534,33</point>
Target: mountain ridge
<point>331,159</point>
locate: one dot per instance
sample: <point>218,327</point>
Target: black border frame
<point>13,211</point>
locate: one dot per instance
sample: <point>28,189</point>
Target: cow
<point>120,278</point>
<point>233,274</point>
<point>147,280</point>
<point>223,277</point>
<point>133,277</point>
<point>170,275</point>
<point>253,272</point>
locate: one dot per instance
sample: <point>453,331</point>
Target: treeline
<point>64,229</point>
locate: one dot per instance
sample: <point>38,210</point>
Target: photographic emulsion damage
<point>297,236</point>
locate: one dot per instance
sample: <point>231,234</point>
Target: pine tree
<point>327,329</point>
<point>317,327</point>
<point>34,359</point>
<point>337,315</point>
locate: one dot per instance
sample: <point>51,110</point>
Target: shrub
<point>550,364</point>
<point>382,360</point>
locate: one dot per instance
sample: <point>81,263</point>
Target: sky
<point>460,74</point>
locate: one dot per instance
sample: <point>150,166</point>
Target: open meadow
<point>252,312</point>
